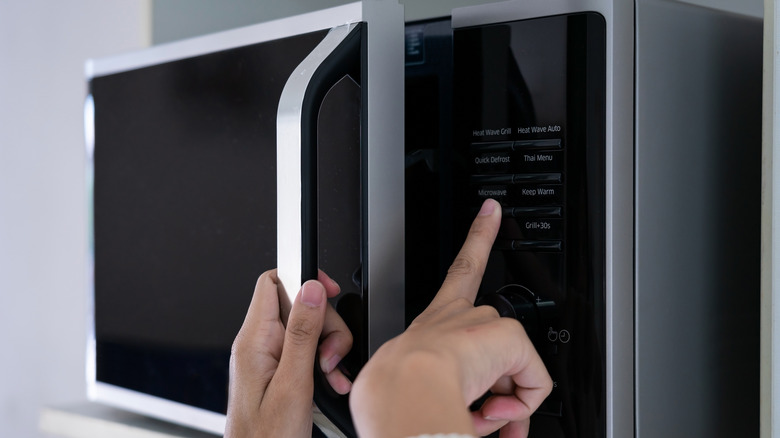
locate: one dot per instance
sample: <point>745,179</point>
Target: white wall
<point>43,46</point>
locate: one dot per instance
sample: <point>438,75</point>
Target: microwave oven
<point>621,138</point>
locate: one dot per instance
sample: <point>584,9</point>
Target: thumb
<point>304,327</point>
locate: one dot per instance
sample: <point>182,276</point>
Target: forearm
<point>418,396</point>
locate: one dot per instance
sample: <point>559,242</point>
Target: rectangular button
<point>527,245</point>
<point>517,178</point>
<point>492,146</point>
<point>536,177</point>
<point>532,211</point>
<point>503,244</point>
<point>493,179</point>
<point>552,143</point>
<point>536,245</point>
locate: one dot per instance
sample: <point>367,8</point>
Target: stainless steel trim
<point>384,174</point>
<point>770,221</point>
<point>258,33</point>
<point>89,141</point>
<point>514,10</point>
<point>385,185</point>
<point>619,16</point>
<point>697,242</point>
<point>288,161</point>
<point>154,406</point>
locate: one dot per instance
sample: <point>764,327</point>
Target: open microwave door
<point>182,180</point>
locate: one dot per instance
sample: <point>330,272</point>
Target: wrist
<point>420,393</point>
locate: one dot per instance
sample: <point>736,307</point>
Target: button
<point>546,143</point>
<point>536,177</point>
<point>493,179</point>
<point>517,178</point>
<point>533,245</point>
<point>492,146</point>
<point>553,143</point>
<point>532,211</point>
<point>503,244</point>
<point>527,245</point>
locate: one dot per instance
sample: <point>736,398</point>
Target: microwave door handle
<point>336,56</point>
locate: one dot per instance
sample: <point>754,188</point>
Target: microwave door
<point>183,177</point>
<point>318,181</point>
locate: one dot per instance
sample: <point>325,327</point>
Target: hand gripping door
<point>324,189</point>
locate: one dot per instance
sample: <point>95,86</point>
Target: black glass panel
<point>529,131</point>
<point>428,147</point>
<point>184,213</point>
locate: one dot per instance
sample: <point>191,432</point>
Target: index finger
<point>465,274</point>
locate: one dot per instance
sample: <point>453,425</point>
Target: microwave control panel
<point>529,131</point>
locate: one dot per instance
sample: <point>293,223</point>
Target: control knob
<point>518,302</point>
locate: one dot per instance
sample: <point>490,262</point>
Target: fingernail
<point>330,364</point>
<point>311,294</point>
<point>488,207</point>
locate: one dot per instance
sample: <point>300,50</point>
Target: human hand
<point>424,380</point>
<point>271,374</point>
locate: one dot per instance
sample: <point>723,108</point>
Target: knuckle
<point>239,345</point>
<point>345,339</point>
<point>340,341</point>
<point>239,353</point>
<point>511,325</point>
<point>267,276</point>
<point>548,384</point>
<point>301,331</point>
<point>463,266</point>
<point>489,312</point>
<point>461,303</point>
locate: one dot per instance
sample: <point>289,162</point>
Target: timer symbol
<point>555,335</point>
